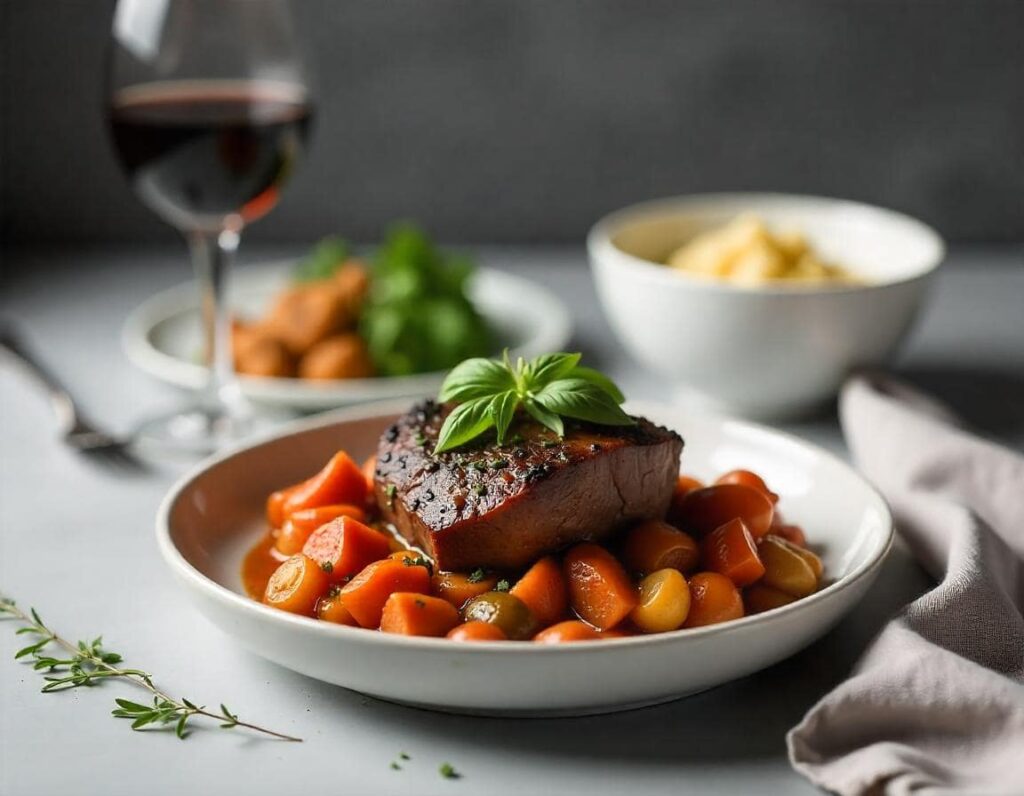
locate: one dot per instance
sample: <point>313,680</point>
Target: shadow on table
<point>745,719</point>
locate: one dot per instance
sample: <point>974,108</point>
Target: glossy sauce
<point>259,564</point>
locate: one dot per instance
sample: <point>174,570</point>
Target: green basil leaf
<point>548,367</point>
<point>466,421</point>
<point>503,409</point>
<point>582,400</point>
<point>598,378</point>
<point>544,417</point>
<point>476,378</point>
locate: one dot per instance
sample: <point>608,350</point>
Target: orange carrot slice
<point>411,614</point>
<point>564,632</point>
<point>600,592</point>
<point>730,550</point>
<point>344,546</point>
<point>296,585</point>
<point>544,591</point>
<point>365,595</point>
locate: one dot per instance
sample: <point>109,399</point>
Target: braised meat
<point>486,505</point>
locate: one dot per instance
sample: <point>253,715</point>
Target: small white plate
<point>163,336</point>
<point>214,515</point>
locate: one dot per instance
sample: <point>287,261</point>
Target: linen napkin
<point>936,704</point>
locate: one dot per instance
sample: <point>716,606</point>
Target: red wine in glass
<point>201,152</point>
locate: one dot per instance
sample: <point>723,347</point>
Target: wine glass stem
<point>212,254</point>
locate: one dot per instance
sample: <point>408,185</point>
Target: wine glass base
<point>199,430</point>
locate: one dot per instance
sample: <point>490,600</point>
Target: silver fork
<point>76,431</point>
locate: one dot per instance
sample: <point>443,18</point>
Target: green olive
<point>502,609</point>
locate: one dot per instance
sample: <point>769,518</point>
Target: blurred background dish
<point>163,336</point>
<point>774,348</point>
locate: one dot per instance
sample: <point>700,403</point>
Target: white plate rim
<point>187,572</point>
<point>551,330</point>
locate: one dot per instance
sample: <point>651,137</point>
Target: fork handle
<point>60,399</point>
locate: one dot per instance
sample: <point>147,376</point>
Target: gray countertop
<point>77,542</point>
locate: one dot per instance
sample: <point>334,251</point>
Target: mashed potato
<point>747,252</point>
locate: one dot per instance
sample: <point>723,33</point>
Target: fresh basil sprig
<point>548,388</point>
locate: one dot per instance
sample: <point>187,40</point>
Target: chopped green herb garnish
<point>327,566</point>
<point>503,585</point>
<point>334,591</point>
<point>448,771</point>
<point>478,466</point>
<point>390,491</point>
<point>497,464</point>
<point>476,575</point>
<point>404,756</point>
<point>419,439</point>
<point>419,561</point>
<point>480,489</point>
<point>395,766</point>
<point>549,443</point>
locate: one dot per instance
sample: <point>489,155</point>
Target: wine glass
<point>209,110</point>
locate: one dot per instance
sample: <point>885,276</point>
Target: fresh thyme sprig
<point>87,664</point>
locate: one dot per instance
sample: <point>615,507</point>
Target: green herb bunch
<point>548,388</point>
<point>417,317</point>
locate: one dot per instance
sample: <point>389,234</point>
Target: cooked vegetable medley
<point>722,551</point>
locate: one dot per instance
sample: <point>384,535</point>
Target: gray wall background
<point>524,120</point>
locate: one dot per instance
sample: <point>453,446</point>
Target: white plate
<point>163,336</point>
<point>212,516</point>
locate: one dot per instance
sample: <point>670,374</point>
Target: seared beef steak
<point>486,505</point>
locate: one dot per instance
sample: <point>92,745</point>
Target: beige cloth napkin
<point>936,705</point>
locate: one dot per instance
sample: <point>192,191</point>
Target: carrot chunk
<point>713,599</point>
<point>684,485</point>
<point>793,534</point>
<point>759,598</point>
<point>275,507</point>
<point>459,588</point>
<point>332,609</point>
<point>296,585</point>
<point>703,510</point>
<point>340,481</point>
<point>730,550</point>
<point>600,592</point>
<point>543,590</point>
<point>344,546</point>
<point>654,545</point>
<point>564,632</point>
<point>299,525</point>
<point>748,478</point>
<point>369,469</point>
<point>477,631</point>
<point>411,614</point>
<point>365,595</point>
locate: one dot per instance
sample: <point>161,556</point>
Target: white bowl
<point>163,336</point>
<point>212,516</point>
<point>765,351</point>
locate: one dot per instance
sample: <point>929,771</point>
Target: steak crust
<point>502,507</point>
